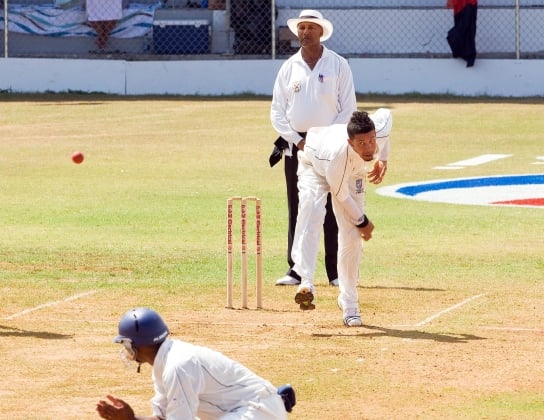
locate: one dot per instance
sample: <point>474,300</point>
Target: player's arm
<point>336,178</point>
<point>347,101</point>
<point>383,120</point>
<point>278,110</point>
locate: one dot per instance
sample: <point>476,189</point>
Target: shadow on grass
<point>17,332</point>
<point>408,335</point>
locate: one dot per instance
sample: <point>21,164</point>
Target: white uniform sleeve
<point>278,109</point>
<point>337,173</point>
<point>353,210</point>
<point>347,101</point>
<point>383,121</point>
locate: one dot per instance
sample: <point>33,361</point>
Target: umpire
<point>313,88</point>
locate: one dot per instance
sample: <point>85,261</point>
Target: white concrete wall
<point>503,78</point>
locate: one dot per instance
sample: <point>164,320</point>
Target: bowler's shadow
<point>17,332</point>
<point>408,335</point>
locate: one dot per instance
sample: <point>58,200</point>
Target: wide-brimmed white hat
<point>313,16</point>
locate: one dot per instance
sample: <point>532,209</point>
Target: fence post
<point>5,28</point>
<point>273,29</point>
<point>517,31</point>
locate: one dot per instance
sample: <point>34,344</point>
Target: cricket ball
<point>77,157</point>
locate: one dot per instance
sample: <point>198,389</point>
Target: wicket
<point>243,240</point>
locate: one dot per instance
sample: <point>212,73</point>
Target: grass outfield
<point>451,295</point>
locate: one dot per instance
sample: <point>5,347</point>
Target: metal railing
<point>212,29</point>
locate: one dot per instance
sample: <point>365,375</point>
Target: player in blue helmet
<point>192,381</point>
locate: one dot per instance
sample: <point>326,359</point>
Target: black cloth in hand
<point>279,146</point>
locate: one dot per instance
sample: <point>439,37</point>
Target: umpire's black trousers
<point>330,228</point>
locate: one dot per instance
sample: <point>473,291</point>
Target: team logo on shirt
<point>359,186</point>
<point>297,85</point>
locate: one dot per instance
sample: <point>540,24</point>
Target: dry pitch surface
<point>436,358</point>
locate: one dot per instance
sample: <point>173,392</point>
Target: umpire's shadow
<point>405,334</point>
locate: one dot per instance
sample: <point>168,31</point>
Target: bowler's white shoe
<point>352,317</point>
<point>334,283</point>
<point>287,281</point>
<point>353,320</point>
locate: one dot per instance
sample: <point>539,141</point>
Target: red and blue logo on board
<point>501,190</point>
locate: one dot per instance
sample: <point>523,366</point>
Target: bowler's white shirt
<point>192,381</point>
<point>333,158</point>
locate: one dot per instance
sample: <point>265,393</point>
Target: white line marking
<point>448,168</point>
<point>45,305</point>
<point>513,329</point>
<point>445,311</point>
<point>479,160</point>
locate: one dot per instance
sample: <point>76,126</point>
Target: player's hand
<point>117,410</point>
<point>378,172</point>
<point>366,232</point>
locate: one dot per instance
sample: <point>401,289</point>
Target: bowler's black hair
<point>360,123</point>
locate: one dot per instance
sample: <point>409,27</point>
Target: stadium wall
<point>501,77</point>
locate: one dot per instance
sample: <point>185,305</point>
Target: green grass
<point>142,222</point>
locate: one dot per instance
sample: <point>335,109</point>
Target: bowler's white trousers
<point>313,189</point>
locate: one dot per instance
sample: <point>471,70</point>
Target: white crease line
<point>45,305</point>
<point>445,311</point>
<point>479,160</point>
<point>513,329</point>
<point>449,168</point>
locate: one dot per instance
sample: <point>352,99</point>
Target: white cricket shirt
<point>192,381</point>
<point>333,158</point>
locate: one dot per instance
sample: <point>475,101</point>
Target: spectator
<point>103,16</point>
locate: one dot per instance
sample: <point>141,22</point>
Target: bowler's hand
<point>366,232</point>
<point>117,410</point>
<point>378,171</point>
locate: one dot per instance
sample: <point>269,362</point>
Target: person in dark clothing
<point>462,37</point>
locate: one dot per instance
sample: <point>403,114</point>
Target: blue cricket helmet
<point>143,327</point>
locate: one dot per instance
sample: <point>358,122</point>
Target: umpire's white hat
<point>313,16</point>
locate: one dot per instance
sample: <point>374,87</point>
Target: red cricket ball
<point>77,157</point>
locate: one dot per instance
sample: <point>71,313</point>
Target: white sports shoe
<point>353,320</point>
<point>352,317</point>
<point>334,283</point>
<point>287,281</point>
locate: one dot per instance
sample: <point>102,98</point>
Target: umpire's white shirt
<point>197,382</point>
<point>305,98</point>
